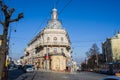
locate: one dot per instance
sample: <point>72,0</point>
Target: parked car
<point>12,67</point>
<point>111,78</point>
<point>28,68</point>
<point>20,66</point>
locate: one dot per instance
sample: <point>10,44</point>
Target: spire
<point>54,14</point>
<point>54,23</point>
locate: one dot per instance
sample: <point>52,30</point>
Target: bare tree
<point>92,55</point>
<point>7,20</point>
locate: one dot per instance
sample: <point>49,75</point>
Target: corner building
<point>111,48</point>
<point>51,48</point>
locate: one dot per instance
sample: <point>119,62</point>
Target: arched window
<point>62,51</point>
<point>55,50</point>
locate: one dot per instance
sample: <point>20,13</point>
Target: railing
<point>53,44</point>
<point>66,44</point>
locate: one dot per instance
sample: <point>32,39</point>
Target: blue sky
<point>87,22</point>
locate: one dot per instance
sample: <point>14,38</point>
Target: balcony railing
<point>63,44</point>
<point>53,44</point>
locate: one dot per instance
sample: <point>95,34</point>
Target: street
<point>13,74</point>
<point>41,75</point>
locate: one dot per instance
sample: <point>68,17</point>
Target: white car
<point>111,78</point>
<point>28,68</point>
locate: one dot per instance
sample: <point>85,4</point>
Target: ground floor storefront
<point>52,62</point>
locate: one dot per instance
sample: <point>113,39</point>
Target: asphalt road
<point>14,74</point>
<point>38,75</point>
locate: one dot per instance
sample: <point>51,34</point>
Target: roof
<point>54,23</point>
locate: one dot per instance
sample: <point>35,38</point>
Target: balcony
<point>63,44</point>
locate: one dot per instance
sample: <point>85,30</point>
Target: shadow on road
<point>14,74</point>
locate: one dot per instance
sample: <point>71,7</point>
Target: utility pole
<point>4,51</point>
<point>97,55</point>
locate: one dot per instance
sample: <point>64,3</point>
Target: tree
<point>83,66</point>
<point>92,55</point>
<point>7,20</point>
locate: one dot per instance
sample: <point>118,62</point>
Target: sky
<point>87,22</point>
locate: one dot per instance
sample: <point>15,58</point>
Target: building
<point>0,41</point>
<point>51,48</point>
<point>111,48</point>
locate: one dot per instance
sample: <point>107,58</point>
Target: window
<point>61,38</point>
<point>55,50</point>
<point>62,50</point>
<point>47,50</point>
<point>48,39</point>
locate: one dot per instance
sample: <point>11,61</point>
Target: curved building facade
<point>51,48</point>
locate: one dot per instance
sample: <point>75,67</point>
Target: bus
<point>110,68</point>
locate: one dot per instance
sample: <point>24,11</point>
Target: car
<point>91,70</point>
<point>19,66</point>
<point>28,68</point>
<point>12,67</point>
<point>111,78</point>
<point>78,70</point>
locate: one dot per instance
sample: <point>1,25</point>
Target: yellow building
<point>0,41</point>
<point>111,48</point>
<point>51,48</point>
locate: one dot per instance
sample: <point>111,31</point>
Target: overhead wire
<point>45,20</point>
<point>55,5</point>
<point>87,41</point>
<point>64,7</point>
<point>38,28</point>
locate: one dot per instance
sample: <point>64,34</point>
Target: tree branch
<point>4,9</point>
<point>1,22</point>
<point>17,19</point>
<point>14,20</point>
<point>0,3</point>
<point>11,11</point>
<point>20,15</point>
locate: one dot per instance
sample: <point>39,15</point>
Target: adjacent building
<point>51,48</point>
<point>111,48</point>
<point>0,41</point>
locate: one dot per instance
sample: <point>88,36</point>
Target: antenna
<point>56,3</point>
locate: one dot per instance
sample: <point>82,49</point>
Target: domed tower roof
<point>54,23</point>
